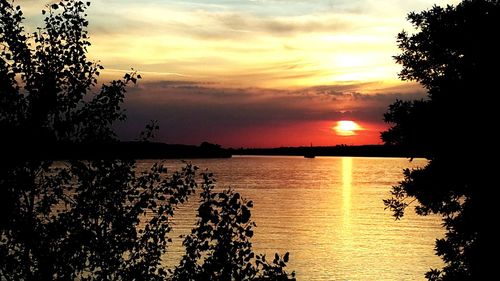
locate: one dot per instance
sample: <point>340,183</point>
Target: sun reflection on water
<point>345,232</point>
<point>346,191</point>
<point>328,213</point>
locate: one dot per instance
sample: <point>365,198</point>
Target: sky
<point>253,73</point>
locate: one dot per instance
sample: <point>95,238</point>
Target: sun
<point>346,128</point>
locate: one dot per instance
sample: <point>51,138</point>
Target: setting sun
<point>346,128</point>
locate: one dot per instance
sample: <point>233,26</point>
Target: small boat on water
<point>309,153</point>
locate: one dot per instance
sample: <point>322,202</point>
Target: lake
<point>327,212</point>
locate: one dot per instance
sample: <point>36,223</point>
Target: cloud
<point>248,72</point>
<point>191,112</point>
<point>274,44</point>
<point>209,25</point>
<point>282,25</point>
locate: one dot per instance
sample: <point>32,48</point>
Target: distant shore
<point>339,150</point>
<point>115,150</point>
<point>157,150</point>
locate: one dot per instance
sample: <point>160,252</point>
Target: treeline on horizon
<point>159,150</point>
<point>117,150</point>
<point>338,150</point>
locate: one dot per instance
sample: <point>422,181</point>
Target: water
<point>328,213</point>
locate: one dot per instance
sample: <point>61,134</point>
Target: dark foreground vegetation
<point>99,219</point>
<point>454,54</point>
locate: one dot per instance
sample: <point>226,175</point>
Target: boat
<point>309,153</point>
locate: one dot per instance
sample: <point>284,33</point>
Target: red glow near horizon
<point>318,133</point>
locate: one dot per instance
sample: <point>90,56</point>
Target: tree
<point>93,219</point>
<point>219,247</point>
<point>454,55</point>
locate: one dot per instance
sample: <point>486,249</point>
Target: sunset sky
<point>253,73</point>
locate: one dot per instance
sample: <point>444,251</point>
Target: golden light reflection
<point>346,190</point>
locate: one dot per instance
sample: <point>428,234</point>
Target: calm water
<point>328,213</point>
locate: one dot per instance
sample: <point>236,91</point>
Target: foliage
<point>219,248</point>
<point>98,219</point>
<point>454,55</point>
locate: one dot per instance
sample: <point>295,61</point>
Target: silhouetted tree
<point>219,248</point>
<point>95,219</point>
<point>454,55</point>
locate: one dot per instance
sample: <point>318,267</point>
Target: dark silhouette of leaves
<point>95,219</point>
<point>219,248</point>
<point>454,55</point>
